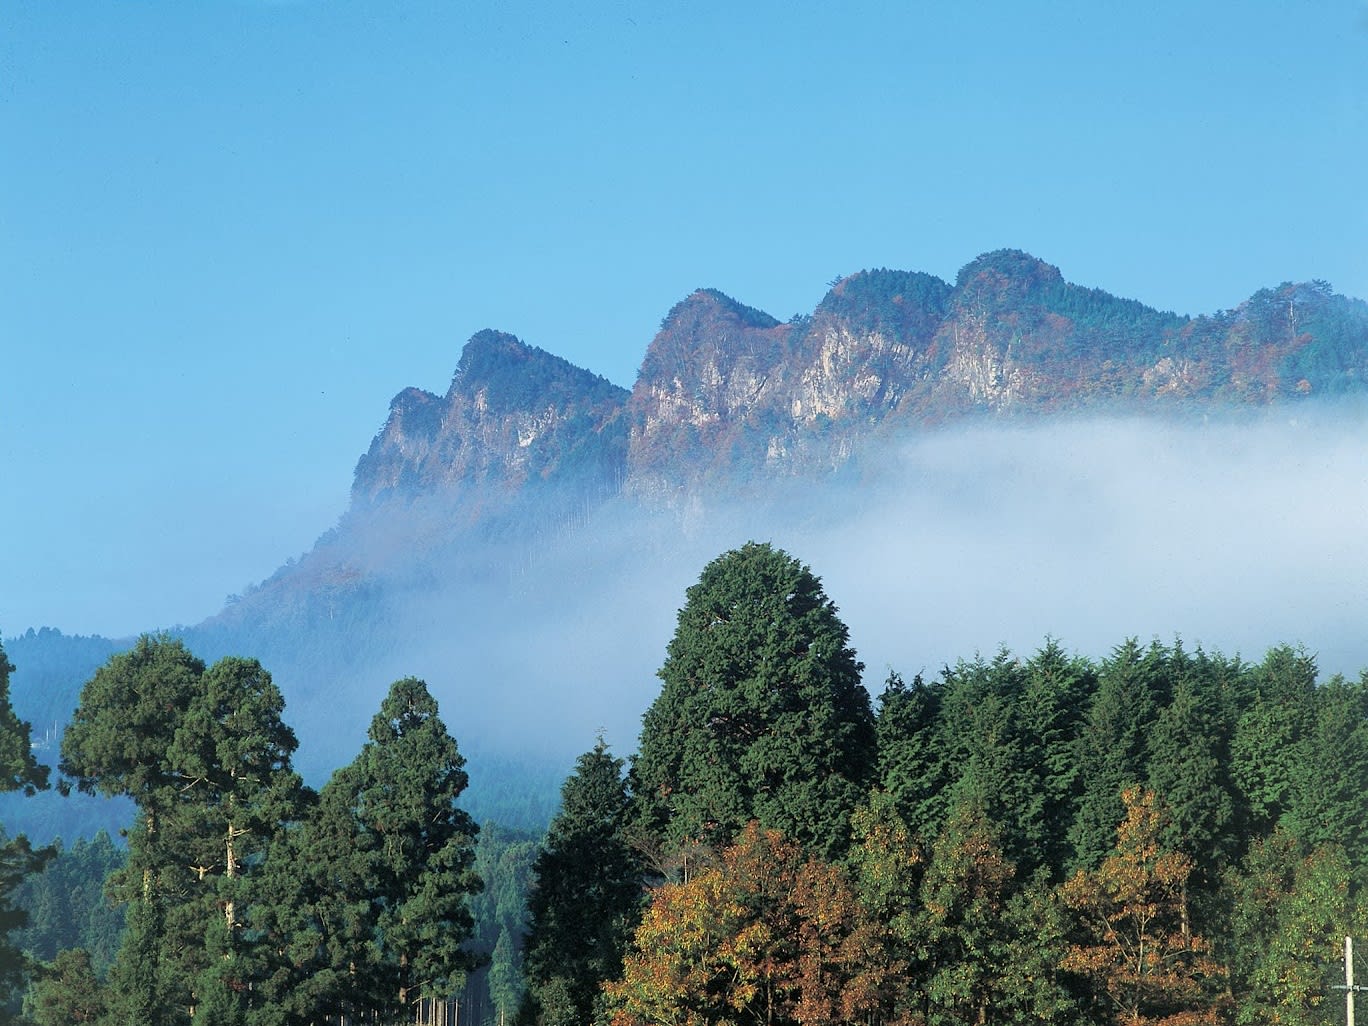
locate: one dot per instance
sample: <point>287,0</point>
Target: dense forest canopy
<point>1163,835</point>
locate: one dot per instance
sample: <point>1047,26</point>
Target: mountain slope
<point>490,525</point>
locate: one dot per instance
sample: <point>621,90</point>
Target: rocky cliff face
<point>515,416</point>
<point>474,485</point>
<point>712,369</point>
<point>729,395</point>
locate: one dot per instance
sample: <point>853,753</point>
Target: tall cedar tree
<point>373,889</point>
<point>118,743</point>
<point>19,771</point>
<point>586,894</point>
<point>1112,746</point>
<point>912,766</point>
<point>762,714</point>
<point>1272,734</point>
<point>206,757</point>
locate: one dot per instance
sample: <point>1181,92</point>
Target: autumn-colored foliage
<point>1135,947</point>
<point>768,936</point>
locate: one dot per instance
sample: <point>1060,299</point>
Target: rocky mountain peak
<point>513,414</point>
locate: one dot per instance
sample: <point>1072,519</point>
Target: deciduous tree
<point>1135,948</point>
<point>767,937</point>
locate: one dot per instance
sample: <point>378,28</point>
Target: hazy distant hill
<point>490,526</point>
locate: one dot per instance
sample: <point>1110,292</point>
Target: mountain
<point>522,539</point>
<point>728,394</point>
<point>514,417</point>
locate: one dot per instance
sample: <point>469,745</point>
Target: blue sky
<point>230,232</point>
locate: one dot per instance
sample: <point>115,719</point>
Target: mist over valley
<point>987,464</point>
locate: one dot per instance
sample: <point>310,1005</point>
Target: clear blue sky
<point>230,232</point>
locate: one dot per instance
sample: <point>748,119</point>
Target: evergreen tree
<point>1271,735</point>
<point>205,756</point>
<point>19,861</point>
<point>913,767</point>
<point>1112,747</point>
<point>762,714</point>
<point>1049,715</point>
<point>1329,782</point>
<point>982,733</point>
<point>67,992</point>
<point>372,892</point>
<point>586,893</point>
<point>117,744</point>
<point>1187,771</point>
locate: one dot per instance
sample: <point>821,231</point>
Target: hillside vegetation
<point>1164,835</point>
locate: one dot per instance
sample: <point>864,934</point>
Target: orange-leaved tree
<point>1134,946</point>
<point>769,936</point>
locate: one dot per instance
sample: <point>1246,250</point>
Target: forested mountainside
<point>521,501</point>
<point>729,401</point>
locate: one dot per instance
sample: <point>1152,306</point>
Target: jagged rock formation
<point>514,416</point>
<point>524,445</point>
<point>727,393</point>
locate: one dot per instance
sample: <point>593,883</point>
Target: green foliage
<point>762,714</point>
<point>19,861</point>
<point>67,992</point>
<point>1188,760</point>
<point>1113,745</point>
<point>913,766</point>
<point>991,947</point>
<point>206,757</point>
<point>1272,733</point>
<point>66,905</point>
<point>371,908</point>
<point>1291,910</point>
<point>586,892</point>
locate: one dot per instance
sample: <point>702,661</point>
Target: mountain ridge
<point>726,391</point>
<point>485,508</point>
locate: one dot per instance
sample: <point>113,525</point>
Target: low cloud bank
<point>1234,536</point>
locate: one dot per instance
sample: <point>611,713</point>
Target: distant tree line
<point>1163,836</point>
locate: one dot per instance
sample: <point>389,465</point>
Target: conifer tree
<point>19,771</point>
<point>762,714</point>
<point>1330,780</point>
<point>206,758</point>
<point>117,744</point>
<point>913,767</point>
<point>1187,771</point>
<point>1271,735</point>
<point>586,893</point>
<point>372,909</point>
<point>68,992</point>
<point>1112,746</point>
<point>1049,714</point>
